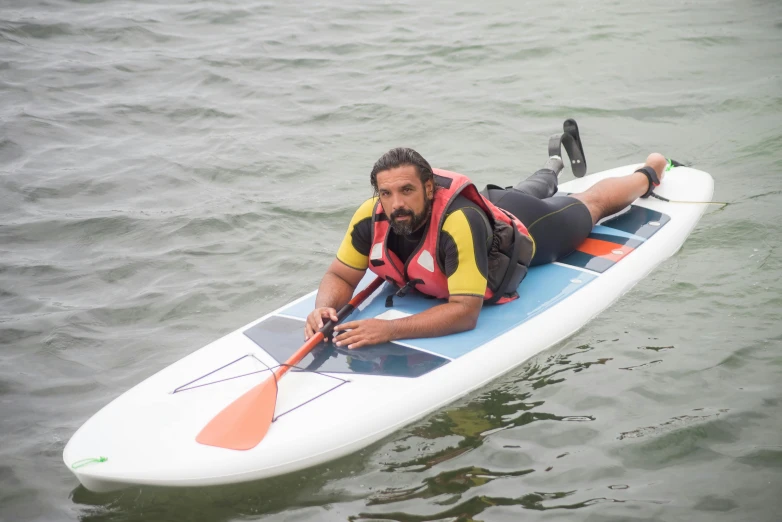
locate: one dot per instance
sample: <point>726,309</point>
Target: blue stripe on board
<point>588,261</point>
<point>637,221</point>
<point>608,231</point>
<point>544,286</point>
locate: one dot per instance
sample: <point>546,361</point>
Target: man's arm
<point>335,290</point>
<point>459,314</point>
<point>342,277</point>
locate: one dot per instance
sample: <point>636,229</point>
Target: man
<point>431,230</point>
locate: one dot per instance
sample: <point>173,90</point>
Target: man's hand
<point>317,318</point>
<point>357,334</point>
<point>337,286</point>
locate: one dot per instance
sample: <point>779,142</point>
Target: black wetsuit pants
<point>557,224</point>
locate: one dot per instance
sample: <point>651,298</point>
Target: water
<point>171,171</point>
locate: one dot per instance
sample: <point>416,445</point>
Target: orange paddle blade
<point>244,422</point>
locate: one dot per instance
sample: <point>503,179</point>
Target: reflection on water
<point>465,511</point>
<point>452,483</point>
<point>675,424</point>
<point>505,407</point>
<point>511,405</point>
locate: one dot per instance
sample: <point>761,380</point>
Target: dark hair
<point>399,157</point>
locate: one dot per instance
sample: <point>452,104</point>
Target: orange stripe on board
<point>604,249</point>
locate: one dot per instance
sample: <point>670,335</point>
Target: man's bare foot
<point>658,162</point>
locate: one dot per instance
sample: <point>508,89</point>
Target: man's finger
<point>343,336</point>
<point>347,338</point>
<point>352,325</point>
<point>359,344</point>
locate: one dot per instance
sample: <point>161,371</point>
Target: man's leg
<point>558,225</point>
<point>612,195</point>
<point>543,183</point>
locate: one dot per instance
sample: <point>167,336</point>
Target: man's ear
<point>429,189</point>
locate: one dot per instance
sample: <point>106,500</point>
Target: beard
<point>415,221</point>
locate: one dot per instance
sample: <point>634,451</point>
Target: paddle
<point>244,423</point>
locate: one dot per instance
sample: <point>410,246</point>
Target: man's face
<point>406,201</point>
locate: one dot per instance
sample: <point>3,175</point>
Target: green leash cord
<point>85,462</point>
<point>668,167</point>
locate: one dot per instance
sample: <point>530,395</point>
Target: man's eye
<point>407,190</point>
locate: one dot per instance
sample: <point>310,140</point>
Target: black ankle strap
<point>651,175</point>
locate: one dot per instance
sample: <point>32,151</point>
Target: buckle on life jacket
<point>402,291</point>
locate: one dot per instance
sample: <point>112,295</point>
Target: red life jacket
<point>509,257</point>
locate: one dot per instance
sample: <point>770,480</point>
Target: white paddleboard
<point>349,400</point>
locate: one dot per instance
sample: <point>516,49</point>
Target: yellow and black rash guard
<point>465,240</point>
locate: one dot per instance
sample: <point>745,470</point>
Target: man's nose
<point>397,201</point>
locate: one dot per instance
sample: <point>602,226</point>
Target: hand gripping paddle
<point>244,422</point>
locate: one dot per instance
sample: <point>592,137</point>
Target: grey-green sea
<point>170,171</point>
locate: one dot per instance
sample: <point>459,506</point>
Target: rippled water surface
<point>169,171</point>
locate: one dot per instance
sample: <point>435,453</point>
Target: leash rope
<point>668,167</point>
